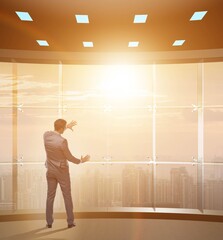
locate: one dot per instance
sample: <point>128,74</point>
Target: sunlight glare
<point>119,81</point>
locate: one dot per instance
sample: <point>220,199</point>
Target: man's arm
<point>70,157</point>
<point>68,154</point>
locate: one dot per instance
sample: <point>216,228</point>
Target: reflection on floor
<point>112,229</point>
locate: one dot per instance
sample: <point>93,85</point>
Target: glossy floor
<point>112,229</point>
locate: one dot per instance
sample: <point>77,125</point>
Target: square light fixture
<point>24,16</point>
<point>88,44</point>
<point>82,18</point>
<point>197,16</point>
<point>140,18</point>
<point>178,43</point>
<point>43,43</point>
<point>133,44</point>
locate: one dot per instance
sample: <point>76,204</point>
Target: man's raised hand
<point>71,124</point>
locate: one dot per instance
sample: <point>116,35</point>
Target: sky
<point>113,105</point>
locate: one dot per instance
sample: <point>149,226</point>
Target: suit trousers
<point>61,176</point>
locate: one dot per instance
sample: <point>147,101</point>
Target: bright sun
<point>119,81</point>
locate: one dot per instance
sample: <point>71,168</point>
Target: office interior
<point>149,115</point>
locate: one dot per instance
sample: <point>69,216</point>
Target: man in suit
<point>58,155</point>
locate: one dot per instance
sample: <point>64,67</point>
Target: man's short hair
<point>59,124</point>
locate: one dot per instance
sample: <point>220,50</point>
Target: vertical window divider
<point>200,166</point>
<point>14,135</point>
<point>154,136</point>
<point>60,82</point>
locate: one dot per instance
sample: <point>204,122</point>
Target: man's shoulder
<point>52,134</point>
<point>48,133</point>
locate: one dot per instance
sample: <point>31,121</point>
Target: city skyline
<point>103,186</point>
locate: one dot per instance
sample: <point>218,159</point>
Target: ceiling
<point>111,25</point>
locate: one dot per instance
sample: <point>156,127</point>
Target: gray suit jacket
<point>57,151</point>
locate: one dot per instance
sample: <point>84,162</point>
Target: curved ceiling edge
<point>210,55</point>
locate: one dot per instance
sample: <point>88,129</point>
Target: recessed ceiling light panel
<point>178,43</point>
<point>88,44</point>
<point>140,18</point>
<point>82,18</point>
<point>42,43</point>
<point>133,44</point>
<point>197,16</point>
<point>24,16</point>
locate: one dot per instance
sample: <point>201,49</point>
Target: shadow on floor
<point>35,234</point>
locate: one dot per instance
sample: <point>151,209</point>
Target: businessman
<point>58,155</point>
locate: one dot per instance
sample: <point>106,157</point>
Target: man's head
<point>60,125</point>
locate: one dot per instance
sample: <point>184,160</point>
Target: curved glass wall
<point>153,133</point>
